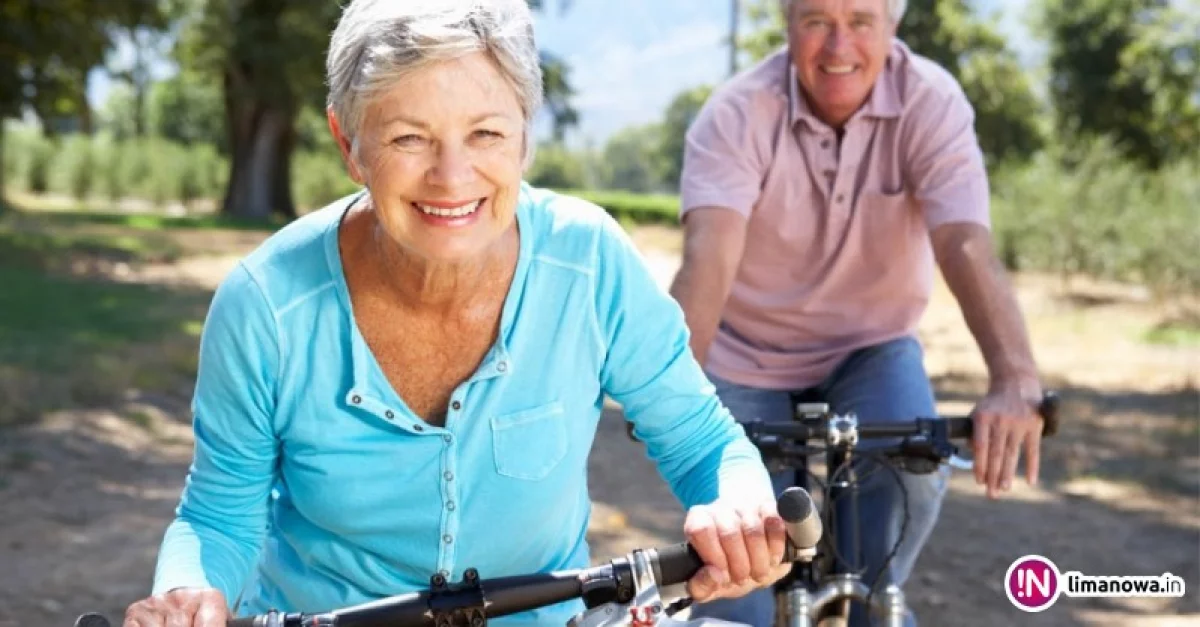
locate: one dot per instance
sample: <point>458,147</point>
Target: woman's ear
<point>345,145</point>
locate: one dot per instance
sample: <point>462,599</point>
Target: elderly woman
<point>408,381</point>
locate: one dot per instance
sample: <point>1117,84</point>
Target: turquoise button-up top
<point>314,487</point>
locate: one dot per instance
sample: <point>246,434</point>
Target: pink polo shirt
<point>837,254</point>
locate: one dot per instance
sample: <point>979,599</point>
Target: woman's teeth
<point>450,212</point>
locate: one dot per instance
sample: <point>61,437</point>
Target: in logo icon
<point>1033,583</point>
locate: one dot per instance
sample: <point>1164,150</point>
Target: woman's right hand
<point>181,607</point>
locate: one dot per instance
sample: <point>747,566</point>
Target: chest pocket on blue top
<point>528,444</point>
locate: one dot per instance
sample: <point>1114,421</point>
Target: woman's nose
<point>452,168</point>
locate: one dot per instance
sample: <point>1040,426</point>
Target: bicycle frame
<point>814,594</point>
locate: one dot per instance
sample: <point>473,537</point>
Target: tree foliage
<point>47,48</point>
<point>673,132</point>
<point>1129,69</point>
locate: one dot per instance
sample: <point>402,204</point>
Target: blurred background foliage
<point>1094,155</point>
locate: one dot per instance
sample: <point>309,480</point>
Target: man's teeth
<point>451,212</point>
<point>838,69</point>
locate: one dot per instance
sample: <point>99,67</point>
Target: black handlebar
<point>474,600</point>
<point>956,427</point>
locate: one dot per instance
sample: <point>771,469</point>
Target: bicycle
<point>624,592</point>
<point>819,592</point>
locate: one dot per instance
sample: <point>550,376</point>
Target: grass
<point>70,336</point>
<point>157,222</point>
<point>1174,333</point>
<point>37,247</point>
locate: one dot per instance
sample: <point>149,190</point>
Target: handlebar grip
<point>677,564</point>
<point>248,621</point>
<point>1048,408</point>
<point>964,427</point>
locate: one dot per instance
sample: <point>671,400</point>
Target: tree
<point>1007,113</point>
<point>765,29</point>
<point>556,85</point>
<point>136,73</point>
<point>1127,69</point>
<point>267,57</point>
<point>673,132</point>
<point>557,92</point>
<point>632,160</point>
<point>556,167</point>
<point>189,109</point>
<point>46,50</point>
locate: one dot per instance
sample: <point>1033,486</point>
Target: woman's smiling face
<point>441,152</point>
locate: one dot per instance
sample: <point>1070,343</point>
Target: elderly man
<point>819,188</point>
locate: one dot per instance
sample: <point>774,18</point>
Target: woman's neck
<point>426,286</point>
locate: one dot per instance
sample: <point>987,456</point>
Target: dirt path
<point>85,495</point>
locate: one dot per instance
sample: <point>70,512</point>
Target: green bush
<point>110,154</point>
<point>74,167</point>
<point>135,174</point>
<point>629,206</point>
<point>556,167</point>
<point>209,170</point>
<point>319,178</point>
<point>1091,213</point>
<point>37,166</point>
<point>16,141</point>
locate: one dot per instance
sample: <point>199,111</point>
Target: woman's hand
<point>181,607</point>
<point>741,544</point>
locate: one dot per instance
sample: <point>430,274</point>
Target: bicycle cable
<point>828,513</point>
<point>882,459</point>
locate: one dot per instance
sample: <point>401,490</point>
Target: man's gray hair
<point>895,8</point>
<point>378,42</point>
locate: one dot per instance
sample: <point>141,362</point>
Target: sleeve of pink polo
<point>946,163</point>
<point>722,166</point>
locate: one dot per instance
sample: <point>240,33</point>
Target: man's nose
<point>838,40</point>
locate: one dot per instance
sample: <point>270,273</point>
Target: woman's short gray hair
<point>378,42</point>
<point>895,8</point>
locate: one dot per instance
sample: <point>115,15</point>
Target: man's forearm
<point>701,289</point>
<point>977,279</point>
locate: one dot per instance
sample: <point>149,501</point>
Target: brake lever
<point>960,463</point>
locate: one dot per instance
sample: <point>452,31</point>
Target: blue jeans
<point>878,383</point>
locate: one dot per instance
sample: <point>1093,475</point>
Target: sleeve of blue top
<point>649,369</point>
<point>221,519</point>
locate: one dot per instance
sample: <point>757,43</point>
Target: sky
<point>629,58</point>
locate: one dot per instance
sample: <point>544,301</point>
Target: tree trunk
<point>85,112</point>
<point>735,14</point>
<point>262,135</point>
<point>3,202</point>
<point>139,77</point>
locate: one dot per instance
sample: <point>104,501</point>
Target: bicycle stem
<point>805,607</point>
